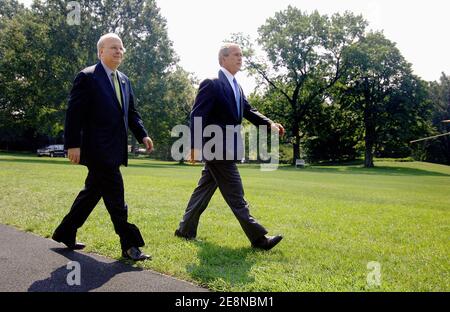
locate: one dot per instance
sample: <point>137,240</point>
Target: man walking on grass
<point>100,111</point>
<point>220,102</point>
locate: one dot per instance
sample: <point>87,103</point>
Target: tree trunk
<point>296,145</point>
<point>368,157</point>
<point>369,139</point>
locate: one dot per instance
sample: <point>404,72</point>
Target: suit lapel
<point>229,93</point>
<point>105,82</point>
<point>103,78</point>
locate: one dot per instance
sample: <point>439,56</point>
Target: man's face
<point>233,61</point>
<point>112,52</point>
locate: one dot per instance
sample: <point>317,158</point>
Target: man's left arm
<point>136,124</point>
<point>258,119</point>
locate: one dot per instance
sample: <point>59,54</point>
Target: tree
<point>382,88</point>
<point>149,59</point>
<point>304,59</point>
<point>173,109</point>
<point>334,134</point>
<point>22,64</point>
<point>404,118</point>
<point>42,53</point>
<point>9,8</point>
<point>438,150</point>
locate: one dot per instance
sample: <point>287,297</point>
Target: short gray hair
<point>225,50</point>
<point>102,39</point>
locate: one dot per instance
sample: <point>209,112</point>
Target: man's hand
<point>278,127</point>
<point>74,155</point>
<point>148,144</point>
<point>192,157</point>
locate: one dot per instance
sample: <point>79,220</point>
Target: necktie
<point>116,87</point>
<point>238,96</point>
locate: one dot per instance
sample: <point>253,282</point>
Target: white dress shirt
<point>109,71</point>
<point>230,78</point>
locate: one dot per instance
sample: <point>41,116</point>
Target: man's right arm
<point>203,104</point>
<point>74,117</point>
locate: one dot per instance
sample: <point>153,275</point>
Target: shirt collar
<point>229,76</point>
<point>107,70</point>
<point>227,73</point>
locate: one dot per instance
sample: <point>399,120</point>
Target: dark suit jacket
<point>96,123</point>
<point>216,105</point>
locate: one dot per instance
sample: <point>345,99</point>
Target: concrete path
<point>31,263</point>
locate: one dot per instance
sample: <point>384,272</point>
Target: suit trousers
<point>226,177</point>
<point>106,183</point>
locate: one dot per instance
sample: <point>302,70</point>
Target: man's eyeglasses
<point>116,48</point>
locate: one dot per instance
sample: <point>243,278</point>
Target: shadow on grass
<point>94,274</point>
<point>32,159</point>
<point>378,170</point>
<point>37,160</point>
<point>59,161</point>
<point>354,167</point>
<point>347,168</point>
<point>222,264</point>
<point>157,164</point>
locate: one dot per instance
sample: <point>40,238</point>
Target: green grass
<point>335,220</point>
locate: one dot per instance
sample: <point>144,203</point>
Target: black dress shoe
<point>267,242</point>
<point>70,245</point>
<point>135,254</point>
<point>76,246</point>
<point>178,234</point>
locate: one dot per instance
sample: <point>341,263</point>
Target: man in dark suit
<point>222,103</point>
<point>100,111</point>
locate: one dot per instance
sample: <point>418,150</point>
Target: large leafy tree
<point>9,8</point>
<point>43,52</point>
<point>438,149</point>
<point>404,119</point>
<point>390,99</point>
<point>22,74</point>
<point>304,59</point>
<point>334,134</point>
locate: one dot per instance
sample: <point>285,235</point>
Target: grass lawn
<point>335,220</point>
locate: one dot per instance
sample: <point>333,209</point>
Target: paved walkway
<point>32,263</point>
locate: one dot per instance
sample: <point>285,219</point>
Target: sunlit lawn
<point>335,220</point>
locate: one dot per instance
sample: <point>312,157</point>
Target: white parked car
<point>54,150</point>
